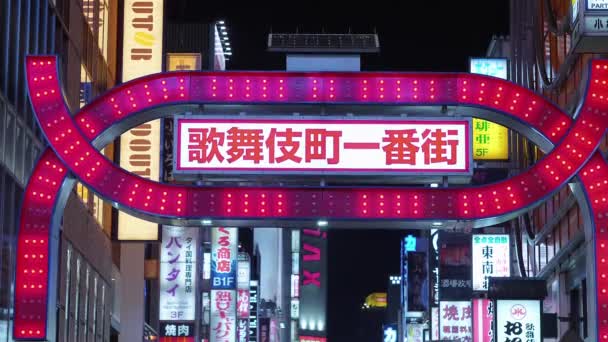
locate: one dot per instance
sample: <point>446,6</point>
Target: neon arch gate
<point>571,147</point>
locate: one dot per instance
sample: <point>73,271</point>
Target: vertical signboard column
<point>243,278</point>
<point>140,147</point>
<point>313,289</point>
<point>253,311</point>
<point>178,281</point>
<point>224,242</point>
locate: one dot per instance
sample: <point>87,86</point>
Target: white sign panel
<point>597,5</point>
<point>491,258</point>
<point>295,308</point>
<point>455,321</point>
<point>496,67</point>
<point>224,244</point>
<point>518,320</point>
<point>178,274</point>
<point>243,274</point>
<point>140,147</point>
<point>207,266</point>
<point>322,146</point>
<point>596,24</point>
<point>223,315</point>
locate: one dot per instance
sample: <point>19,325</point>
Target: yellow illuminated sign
<point>183,61</point>
<point>140,147</point>
<point>376,300</point>
<point>490,141</point>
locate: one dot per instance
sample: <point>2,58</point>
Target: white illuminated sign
<point>295,308</point>
<point>207,266</point>
<point>491,258</point>
<point>223,315</point>
<point>140,147</point>
<point>518,320</point>
<point>243,274</point>
<point>455,321</point>
<point>322,146</point>
<point>496,67</point>
<point>295,285</point>
<point>598,5</point>
<point>390,333</point>
<point>178,274</point>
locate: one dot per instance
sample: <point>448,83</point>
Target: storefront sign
<point>483,316</point>
<point>224,243</point>
<point>295,308</point>
<point>243,304</point>
<point>597,5</point>
<point>322,146</point>
<point>140,147</point>
<point>454,266</point>
<point>178,274</point>
<point>518,320</point>
<point>253,311</point>
<point>176,329</point>
<point>455,321</point>
<point>491,258</point>
<point>223,315</point>
<point>295,285</point>
<point>313,278</point>
<point>435,323</point>
<point>490,140</point>
<point>243,274</point>
<point>415,332</point>
<point>183,61</point>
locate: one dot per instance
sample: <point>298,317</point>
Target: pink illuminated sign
<point>322,146</point>
<point>483,315</point>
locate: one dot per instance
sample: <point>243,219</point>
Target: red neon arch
<point>164,201</point>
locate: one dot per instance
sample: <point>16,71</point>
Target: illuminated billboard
<point>206,145</point>
<point>313,278</point>
<point>140,147</point>
<point>455,321</point>
<point>491,258</point>
<point>518,320</point>
<point>178,274</point>
<point>223,315</point>
<point>224,243</point>
<point>483,318</point>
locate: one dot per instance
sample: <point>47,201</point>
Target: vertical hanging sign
<point>177,274</point>
<point>140,147</point>
<point>224,323</point>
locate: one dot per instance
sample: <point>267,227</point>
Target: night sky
<point>416,36</point>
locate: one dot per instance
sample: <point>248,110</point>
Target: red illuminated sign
<point>323,146</point>
<point>70,138</point>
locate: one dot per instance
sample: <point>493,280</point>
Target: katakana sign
<point>455,321</point>
<point>223,316</point>
<point>518,321</point>
<point>491,258</point>
<point>224,258</point>
<point>322,146</point>
<point>178,273</point>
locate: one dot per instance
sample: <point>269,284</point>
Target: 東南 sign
<point>322,146</point>
<point>178,274</point>
<point>224,258</point>
<point>490,259</point>
<point>223,316</point>
<point>455,321</point>
<point>518,320</point>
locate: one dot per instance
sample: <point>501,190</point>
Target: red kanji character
<point>204,144</point>
<point>446,329</point>
<point>246,143</point>
<point>316,145</point>
<point>289,147</point>
<point>455,329</point>
<point>450,313</point>
<point>223,253</point>
<point>223,266</point>
<point>223,241</point>
<point>400,147</point>
<point>435,147</point>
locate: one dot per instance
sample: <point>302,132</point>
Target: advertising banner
<point>223,315</point>
<point>224,249</point>
<point>175,329</point>
<point>491,258</point>
<point>518,320</point>
<point>313,278</point>
<point>243,273</point>
<point>243,328</point>
<point>389,333</point>
<point>454,266</point>
<point>243,304</point>
<point>322,146</point>
<point>435,323</point>
<point>483,318</point>
<point>455,321</point>
<point>597,5</point>
<point>253,311</point>
<point>183,61</point>
<point>140,147</point>
<point>178,273</point>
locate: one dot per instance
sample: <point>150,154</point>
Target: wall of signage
<point>224,294</point>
